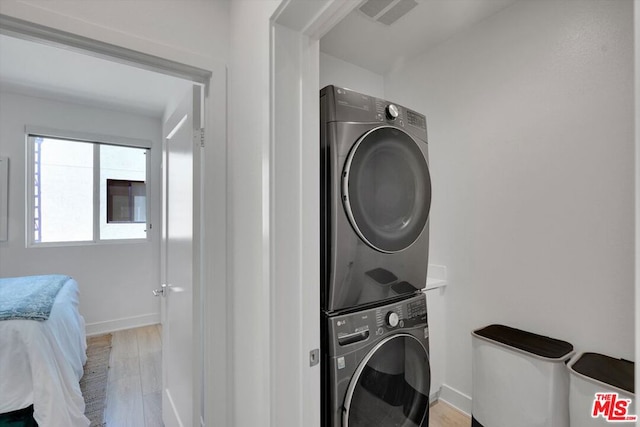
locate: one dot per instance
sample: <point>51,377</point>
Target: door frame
<point>299,26</point>
<point>210,263</point>
<point>294,217</point>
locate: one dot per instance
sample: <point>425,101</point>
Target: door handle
<point>160,292</point>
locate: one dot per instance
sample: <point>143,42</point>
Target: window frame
<point>97,140</point>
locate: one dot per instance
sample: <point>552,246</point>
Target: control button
<point>380,117</point>
<point>402,323</point>
<point>392,319</point>
<point>380,331</point>
<point>392,112</point>
<point>401,123</point>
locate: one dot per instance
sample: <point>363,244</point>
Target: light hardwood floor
<point>135,383</point>
<point>134,396</point>
<point>444,415</point>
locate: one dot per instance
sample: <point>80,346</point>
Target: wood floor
<point>134,396</point>
<point>443,415</point>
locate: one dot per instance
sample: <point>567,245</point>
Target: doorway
<point>100,76</point>
<point>303,35</point>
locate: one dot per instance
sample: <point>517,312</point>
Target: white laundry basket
<point>593,373</point>
<point>519,379</point>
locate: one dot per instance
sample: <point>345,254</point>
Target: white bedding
<point>41,363</point>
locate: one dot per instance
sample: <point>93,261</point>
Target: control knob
<point>392,112</point>
<point>392,319</point>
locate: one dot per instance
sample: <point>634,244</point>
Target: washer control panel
<point>392,319</point>
<point>361,326</point>
<point>405,314</point>
<point>348,330</point>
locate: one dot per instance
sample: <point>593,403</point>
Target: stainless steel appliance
<point>375,200</point>
<point>375,366</point>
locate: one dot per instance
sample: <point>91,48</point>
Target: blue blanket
<point>29,297</point>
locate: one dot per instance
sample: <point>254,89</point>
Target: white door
<point>178,261</point>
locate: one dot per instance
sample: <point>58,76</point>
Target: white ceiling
<point>381,48</point>
<point>42,70</point>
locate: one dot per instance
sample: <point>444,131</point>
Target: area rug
<point>94,381</point>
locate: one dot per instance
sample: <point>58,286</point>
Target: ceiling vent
<point>387,11</point>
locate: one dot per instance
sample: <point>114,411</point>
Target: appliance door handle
<point>353,337</point>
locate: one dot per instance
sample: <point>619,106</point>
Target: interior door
<point>177,312</point>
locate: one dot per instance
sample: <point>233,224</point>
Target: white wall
<point>530,118</point>
<point>115,280</point>
<point>335,71</point>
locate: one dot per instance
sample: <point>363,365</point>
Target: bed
<point>41,361</point>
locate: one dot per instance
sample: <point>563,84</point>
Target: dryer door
<point>391,386</point>
<point>386,189</point>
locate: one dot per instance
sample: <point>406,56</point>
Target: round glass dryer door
<point>386,189</point>
<point>391,386</point>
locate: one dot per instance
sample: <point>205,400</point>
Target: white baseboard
<point>98,328</point>
<point>456,398</point>
<point>434,396</point>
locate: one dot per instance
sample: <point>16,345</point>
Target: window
<point>85,191</point>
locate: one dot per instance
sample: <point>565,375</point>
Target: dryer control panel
<point>351,106</point>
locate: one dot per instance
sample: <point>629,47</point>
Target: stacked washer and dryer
<point>375,202</point>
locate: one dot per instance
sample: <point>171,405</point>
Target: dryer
<point>375,366</point>
<point>375,200</point>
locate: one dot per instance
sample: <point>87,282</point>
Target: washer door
<point>391,386</point>
<point>386,189</point>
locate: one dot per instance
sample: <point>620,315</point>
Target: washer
<point>375,200</point>
<point>375,366</point>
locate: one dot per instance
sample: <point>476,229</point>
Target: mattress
<point>41,363</point>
